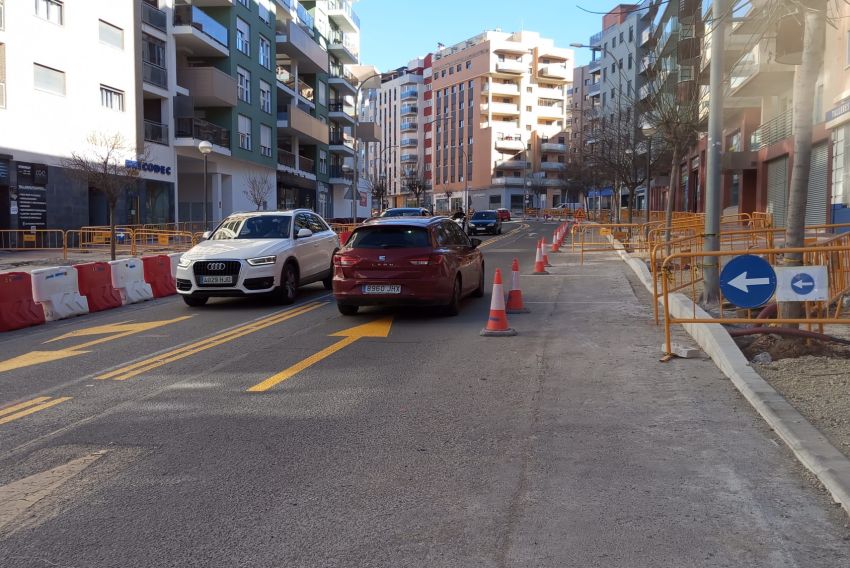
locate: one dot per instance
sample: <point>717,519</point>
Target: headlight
<point>262,260</point>
<point>490,224</point>
<point>184,262</point>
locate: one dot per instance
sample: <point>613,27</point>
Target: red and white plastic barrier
<point>17,308</point>
<point>175,259</point>
<point>95,279</point>
<point>128,277</point>
<point>58,292</point>
<point>159,275</point>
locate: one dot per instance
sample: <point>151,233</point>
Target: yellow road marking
<point>501,237</point>
<point>139,367</point>
<point>114,331</point>
<point>15,407</point>
<point>378,328</point>
<point>30,407</point>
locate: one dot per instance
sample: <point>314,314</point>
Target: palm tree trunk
<point>804,94</point>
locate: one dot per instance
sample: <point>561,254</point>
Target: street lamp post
<point>355,190</point>
<point>205,147</point>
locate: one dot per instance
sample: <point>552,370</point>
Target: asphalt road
<point>130,438</point>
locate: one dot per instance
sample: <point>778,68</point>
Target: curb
<point>810,447</point>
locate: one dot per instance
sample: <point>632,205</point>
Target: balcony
<point>154,75</point>
<point>553,147</point>
<point>410,94</point>
<point>344,47</point>
<point>508,181</point>
<point>645,91</point>
<point>153,17</point>
<point>511,164</point>
<point>409,110</point>
<point>294,121</point>
<point>511,67</point>
<point>593,89</point>
<point>408,158</point>
<point>557,72</point>
<point>341,143</point>
<point>552,182</point>
<point>774,130</point>
<point>757,75</point>
<point>501,88</point>
<point>647,38</point>
<point>553,166</point>
<point>196,130</point>
<point>199,34</point>
<point>343,81</point>
<point>300,165</point>
<point>408,125</point>
<point>594,66</point>
<point>340,112</point>
<point>548,93</point>
<point>209,87</point>
<point>339,176</point>
<point>409,142</point>
<point>296,42</point>
<point>550,111</point>
<point>647,63</point>
<point>342,14</point>
<point>500,108</point>
<point>368,132</point>
<point>510,144</point>
<point>156,132</point>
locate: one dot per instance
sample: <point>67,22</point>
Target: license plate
<point>381,289</point>
<point>216,279</point>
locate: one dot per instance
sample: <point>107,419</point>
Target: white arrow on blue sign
<point>748,281</point>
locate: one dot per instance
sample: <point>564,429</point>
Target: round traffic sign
<point>803,284</point>
<point>748,281</point>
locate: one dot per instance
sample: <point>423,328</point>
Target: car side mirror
<point>206,235</point>
<point>303,233</point>
<point>475,242</point>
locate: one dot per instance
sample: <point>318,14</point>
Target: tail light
<point>430,260</point>
<point>345,261</point>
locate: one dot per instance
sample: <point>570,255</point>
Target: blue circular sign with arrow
<point>803,284</point>
<point>748,281</point>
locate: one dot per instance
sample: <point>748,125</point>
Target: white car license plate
<point>216,279</point>
<point>382,289</point>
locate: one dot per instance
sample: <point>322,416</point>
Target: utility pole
<point>711,272</point>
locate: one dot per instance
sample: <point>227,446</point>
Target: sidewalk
<point>27,261</point>
<point>632,462</point>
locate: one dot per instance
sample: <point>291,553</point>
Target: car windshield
<point>484,215</point>
<point>402,213</point>
<point>258,227</point>
<point>390,237</point>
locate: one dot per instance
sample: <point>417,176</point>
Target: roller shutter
<point>777,189</point>
<point>816,204</point>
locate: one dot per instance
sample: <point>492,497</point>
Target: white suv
<point>259,253</point>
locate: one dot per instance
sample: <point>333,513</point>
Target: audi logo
<point>215,266</point>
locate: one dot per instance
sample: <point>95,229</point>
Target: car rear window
<point>484,215</point>
<point>390,237</point>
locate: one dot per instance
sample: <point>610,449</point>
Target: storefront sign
<point>147,167</point>
<point>841,111</point>
<point>4,172</point>
<point>32,207</point>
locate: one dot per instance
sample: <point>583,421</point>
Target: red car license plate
<point>382,289</point>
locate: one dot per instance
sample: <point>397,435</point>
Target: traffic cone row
<point>497,322</point>
<point>515,303</point>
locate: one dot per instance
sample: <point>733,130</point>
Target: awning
<point>606,192</point>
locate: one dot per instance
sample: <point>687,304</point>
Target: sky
<point>392,32</point>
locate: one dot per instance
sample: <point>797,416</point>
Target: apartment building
<point>578,103</point>
<point>264,81</point>
<point>499,121</point>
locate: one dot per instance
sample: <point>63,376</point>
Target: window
<point>629,87</point>
<point>243,82</point>
<point>265,141</point>
<point>244,132</point>
<point>620,62</point>
<point>153,51</point>
<point>323,162</point>
<point>243,36</point>
<point>50,80</point>
<point>50,10</point>
<point>265,13</point>
<point>458,67</point>
<point>244,2</point>
<point>621,37</point>
<point>111,98</point>
<point>451,70</point>
<point>471,85</point>
<point>631,61</point>
<point>443,73</point>
<point>613,42</point>
<point>468,64</point>
<point>323,93</point>
<point>265,97</point>
<point>265,54</point>
<point>631,34</point>
<point>112,35</point>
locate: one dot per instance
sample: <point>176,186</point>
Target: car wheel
<point>453,307</point>
<point>288,288</point>
<point>347,309</point>
<point>479,292</point>
<point>195,301</point>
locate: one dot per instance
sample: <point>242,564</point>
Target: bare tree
<point>259,187</point>
<point>110,165</point>
<point>536,186</point>
<point>416,182</point>
<point>379,192</point>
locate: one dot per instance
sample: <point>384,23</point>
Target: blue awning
<point>606,192</point>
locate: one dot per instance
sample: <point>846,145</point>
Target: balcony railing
<point>409,125</point>
<point>407,158</point>
<point>409,109</point>
<point>200,20</point>
<point>409,94</point>
<point>776,129</point>
<point>306,164</point>
<point>152,16</point>
<point>285,158</point>
<point>202,130</point>
<point>341,107</point>
<point>156,132</point>
<point>408,142</point>
<point>341,139</point>
<point>154,74</point>
<point>338,172</point>
<point>348,41</point>
<point>347,75</point>
<point>305,19</point>
<point>345,7</point>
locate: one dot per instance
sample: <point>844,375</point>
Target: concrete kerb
<point>810,447</point>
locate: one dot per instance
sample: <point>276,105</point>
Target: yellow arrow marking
<point>29,407</point>
<point>139,367</point>
<point>112,332</point>
<point>377,328</point>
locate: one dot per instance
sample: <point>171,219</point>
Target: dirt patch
<point>790,347</point>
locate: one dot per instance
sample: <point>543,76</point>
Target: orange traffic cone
<point>515,304</point>
<point>555,242</point>
<point>497,323</point>
<point>543,252</point>
<point>539,265</point>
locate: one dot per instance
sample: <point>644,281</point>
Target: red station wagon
<point>407,261</point>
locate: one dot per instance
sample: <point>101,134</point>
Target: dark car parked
<point>407,261</point>
<point>485,221</point>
